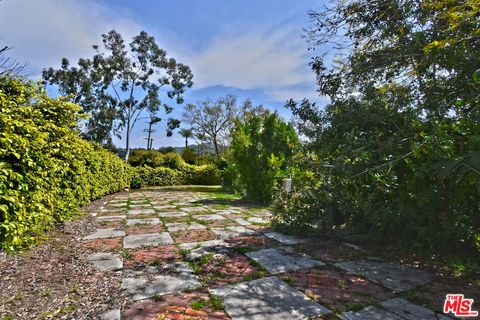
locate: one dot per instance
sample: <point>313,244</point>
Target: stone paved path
<point>189,255</point>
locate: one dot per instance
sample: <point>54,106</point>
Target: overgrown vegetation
<point>46,170</point>
<point>395,155</point>
<point>261,151</point>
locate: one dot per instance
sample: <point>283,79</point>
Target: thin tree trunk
<point>127,143</point>
<point>215,143</point>
<point>186,142</point>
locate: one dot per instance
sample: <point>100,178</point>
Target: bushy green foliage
<point>398,160</point>
<point>46,170</point>
<point>261,150</point>
<point>155,159</point>
<point>188,174</point>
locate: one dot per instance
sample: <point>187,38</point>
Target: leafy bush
<point>155,159</point>
<point>261,150</point>
<point>189,174</point>
<point>46,170</point>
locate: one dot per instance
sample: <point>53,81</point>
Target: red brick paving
<point>329,250</point>
<point>117,224</point>
<point>173,306</point>
<point>192,236</point>
<point>154,228</point>
<point>224,269</point>
<point>334,289</point>
<point>111,244</point>
<point>162,254</point>
<point>253,243</point>
<point>433,294</point>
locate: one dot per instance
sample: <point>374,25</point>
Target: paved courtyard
<point>188,255</point>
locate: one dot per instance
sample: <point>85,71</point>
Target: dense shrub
<point>46,170</point>
<point>189,174</point>
<point>261,150</point>
<point>155,159</point>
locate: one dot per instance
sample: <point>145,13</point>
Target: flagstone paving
<point>189,255</point>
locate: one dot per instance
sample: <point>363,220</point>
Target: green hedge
<point>188,174</point>
<point>46,170</point>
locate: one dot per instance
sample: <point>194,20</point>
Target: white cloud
<point>42,32</point>
<point>255,59</point>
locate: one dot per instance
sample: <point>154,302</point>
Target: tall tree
<point>119,83</point>
<point>186,133</point>
<point>213,119</point>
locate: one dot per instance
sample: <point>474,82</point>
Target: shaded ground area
<point>195,253</point>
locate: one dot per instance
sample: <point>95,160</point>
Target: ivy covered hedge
<point>46,170</point>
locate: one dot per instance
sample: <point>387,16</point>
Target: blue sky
<point>253,49</point>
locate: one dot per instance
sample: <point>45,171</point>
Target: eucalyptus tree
<point>120,82</point>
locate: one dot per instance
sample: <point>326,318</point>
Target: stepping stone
<point>265,299</point>
<point>193,209</point>
<point>407,310</point>
<point>142,240</point>
<point>105,233</point>
<point>172,214</point>
<point>242,222</point>
<point>393,276</point>
<point>209,217</point>
<point>370,312</point>
<point>178,226</point>
<point>183,278</point>
<point>227,211</point>
<point>105,261</point>
<point>119,210</point>
<point>114,314</point>
<point>283,238</point>
<point>118,204</point>
<point>111,218</point>
<point>166,206</point>
<point>277,261</point>
<point>132,222</point>
<point>257,220</point>
<point>198,249</point>
<point>141,211</point>
<point>231,232</point>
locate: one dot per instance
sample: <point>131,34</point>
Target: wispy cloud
<point>42,32</point>
<point>254,59</point>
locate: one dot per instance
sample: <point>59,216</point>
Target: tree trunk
<point>186,142</point>
<point>127,142</point>
<point>215,143</point>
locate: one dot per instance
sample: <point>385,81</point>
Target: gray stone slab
<point>198,249</point>
<point>140,206</point>
<point>407,310</point>
<point>277,261</point>
<point>172,214</point>
<point>193,209</point>
<point>117,204</point>
<point>266,299</point>
<point>369,313</point>
<point>114,314</point>
<point>105,261</point>
<point>132,222</point>
<point>231,232</point>
<point>111,218</point>
<point>209,217</point>
<point>242,221</point>
<point>283,238</point>
<point>180,226</point>
<point>143,287</point>
<point>105,233</point>
<point>141,211</point>
<point>141,240</point>
<point>394,276</point>
<point>257,220</point>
